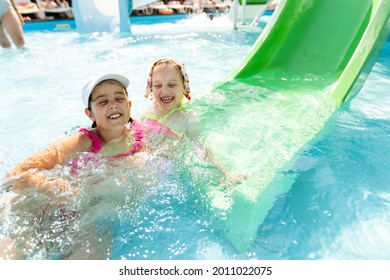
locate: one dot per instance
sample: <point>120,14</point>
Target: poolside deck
<point>55,24</point>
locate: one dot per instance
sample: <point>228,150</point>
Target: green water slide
<point>334,37</point>
<point>308,59</point>
<point>254,2</point>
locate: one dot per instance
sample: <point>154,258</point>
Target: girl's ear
<point>89,114</point>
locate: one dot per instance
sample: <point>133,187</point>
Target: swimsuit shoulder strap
<point>138,136</point>
<point>97,143</point>
<point>158,127</point>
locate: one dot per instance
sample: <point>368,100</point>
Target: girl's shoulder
<point>188,122</point>
<point>89,140</point>
<point>184,115</point>
<point>190,118</point>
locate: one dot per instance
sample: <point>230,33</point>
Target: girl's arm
<point>232,177</point>
<point>194,135</point>
<point>27,174</point>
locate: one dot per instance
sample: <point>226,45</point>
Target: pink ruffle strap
<point>138,136</point>
<point>97,144</point>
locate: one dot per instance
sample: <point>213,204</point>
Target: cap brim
<point>88,88</point>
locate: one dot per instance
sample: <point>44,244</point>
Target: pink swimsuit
<point>97,144</point>
<point>153,125</point>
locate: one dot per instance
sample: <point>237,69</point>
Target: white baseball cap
<point>94,80</point>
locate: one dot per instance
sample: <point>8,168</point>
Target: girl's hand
<point>37,180</point>
<point>236,178</point>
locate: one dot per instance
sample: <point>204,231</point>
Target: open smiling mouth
<point>166,99</point>
<point>114,116</point>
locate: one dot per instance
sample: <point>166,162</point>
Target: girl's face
<point>110,107</point>
<point>167,86</point>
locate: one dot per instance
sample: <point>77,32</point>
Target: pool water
<point>337,207</point>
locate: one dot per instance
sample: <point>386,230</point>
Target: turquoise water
<point>336,208</point>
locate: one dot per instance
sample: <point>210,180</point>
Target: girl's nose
<point>113,105</point>
<point>164,88</point>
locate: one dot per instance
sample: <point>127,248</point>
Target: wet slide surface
<point>308,59</point>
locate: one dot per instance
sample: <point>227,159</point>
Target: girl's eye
<point>120,99</point>
<point>157,86</point>
<point>172,85</point>
<point>103,102</point>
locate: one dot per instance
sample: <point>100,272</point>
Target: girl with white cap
<point>113,134</point>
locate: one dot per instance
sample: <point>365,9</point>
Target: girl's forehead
<point>165,68</point>
<point>108,87</point>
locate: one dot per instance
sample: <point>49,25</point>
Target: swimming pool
<point>337,207</point>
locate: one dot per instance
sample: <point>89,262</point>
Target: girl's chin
<point>169,106</point>
<point>162,107</point>
<point>117,123</point>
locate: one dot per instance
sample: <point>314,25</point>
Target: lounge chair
<point>192,7</point>
<point>208,6</point>
<point>26,8</point>
<point>59,7</point>
<point>177,7</point>
<point>221,6</point>
<point>143,10</point>
<point>160,8</point>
